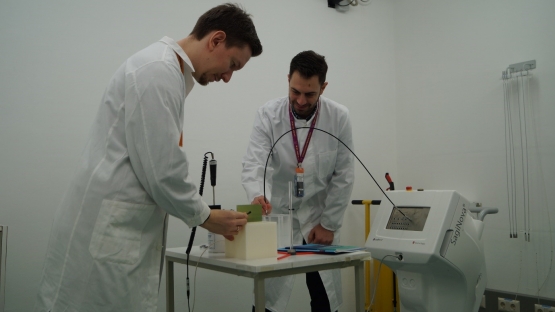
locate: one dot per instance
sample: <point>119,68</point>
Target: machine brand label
<point>377,239</point>
<point>418,243</point>
<point>458,227</point>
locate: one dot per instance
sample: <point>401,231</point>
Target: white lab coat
<point>328,180</point>
<point>107,241</point>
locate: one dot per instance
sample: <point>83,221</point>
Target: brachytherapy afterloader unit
<point>434,245</point>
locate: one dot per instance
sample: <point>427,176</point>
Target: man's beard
<point>203,81</point>
<point>305,113</point>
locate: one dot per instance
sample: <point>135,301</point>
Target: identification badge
<point>299,182</point>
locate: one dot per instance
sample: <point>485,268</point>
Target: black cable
<point>394,292</point>
<point>194,229</point>
<point>203,174</point>
<point>188,251</point>
<point>270,153</point>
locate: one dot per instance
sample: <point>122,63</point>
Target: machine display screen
<point>414,218</point>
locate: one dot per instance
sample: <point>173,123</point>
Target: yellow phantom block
<point>257,240</point>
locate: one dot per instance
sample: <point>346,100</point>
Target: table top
<point>264,264</point>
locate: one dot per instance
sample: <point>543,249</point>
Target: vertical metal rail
<point>3,257</point>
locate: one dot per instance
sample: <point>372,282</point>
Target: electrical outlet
<point>543,308</point>
<point>483,303</point>
<point>508,305</point>
<point>539,308</point>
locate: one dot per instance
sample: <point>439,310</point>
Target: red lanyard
<point>300,157</point>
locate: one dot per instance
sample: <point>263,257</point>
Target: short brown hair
<point>308,64</point>
<point>234,21</point>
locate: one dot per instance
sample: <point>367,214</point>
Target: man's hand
<point>266,206</point>
<point>225,222</point>
<point>319,235</point>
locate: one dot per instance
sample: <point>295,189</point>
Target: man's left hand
<point>319,235</point>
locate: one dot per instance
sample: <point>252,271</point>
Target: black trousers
<point>319,301</point>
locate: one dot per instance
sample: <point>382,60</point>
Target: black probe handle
<point>191,239</point>
<point>213,164</point>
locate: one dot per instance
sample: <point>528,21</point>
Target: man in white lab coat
<point>326,163</point>
<point>107,243</point>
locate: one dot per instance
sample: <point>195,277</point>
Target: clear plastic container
<point>216,243</point>
<point>283,224</point>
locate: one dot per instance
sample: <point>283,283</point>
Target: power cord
<point>194,230</point>
<point>350,150</point>
<point>400,257</point>
<point>207,247</point>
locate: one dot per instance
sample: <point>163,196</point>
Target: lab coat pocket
<point>117,233</point>
<point>326,164</point>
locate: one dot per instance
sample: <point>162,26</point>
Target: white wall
<point>56,58</point>
<point>421,78</point>
<point>450,120</point>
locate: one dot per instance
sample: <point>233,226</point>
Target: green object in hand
<point>254,212</point>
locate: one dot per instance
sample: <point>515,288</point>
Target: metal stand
<point>3,257</point>
<point>291,250</point>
